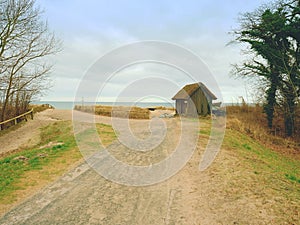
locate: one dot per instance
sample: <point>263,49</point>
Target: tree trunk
<point>289,119</point>
<point>4,106</point>
<point>271,97</point>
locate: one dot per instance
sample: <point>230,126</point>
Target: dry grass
<point>40,108</point>
<point>116,111</point>
<point>251,121</point>
<point>164,108</point>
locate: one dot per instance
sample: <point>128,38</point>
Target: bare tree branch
<point>25,42</point>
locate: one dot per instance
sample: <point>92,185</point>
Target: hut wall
<point>181,106</point>
<point>202,104</point>
<point>191,108</point>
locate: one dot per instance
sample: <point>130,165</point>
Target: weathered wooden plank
<point>17,117</point>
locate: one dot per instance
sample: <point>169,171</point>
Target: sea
<point>70,105</point>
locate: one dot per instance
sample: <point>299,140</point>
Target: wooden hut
<point>194,99</point>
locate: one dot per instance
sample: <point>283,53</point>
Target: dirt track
<point>224,194</point>
<point>190,197</point>
<point>28,134</point>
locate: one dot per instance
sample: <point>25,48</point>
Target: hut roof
<point>189,89</point>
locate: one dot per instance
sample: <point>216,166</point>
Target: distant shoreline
<point>70,105</point>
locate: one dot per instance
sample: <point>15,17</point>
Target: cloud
<point>64,89</point>
<point>93,28</point>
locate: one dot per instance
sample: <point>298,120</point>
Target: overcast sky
<point>91,28</point>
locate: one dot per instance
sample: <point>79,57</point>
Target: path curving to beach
<point>226,193</point>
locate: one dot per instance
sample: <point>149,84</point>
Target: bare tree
<point>25,43</point>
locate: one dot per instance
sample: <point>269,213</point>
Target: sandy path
<point>190,197</point>
<point>28,135</point>
<point>223,194</point>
